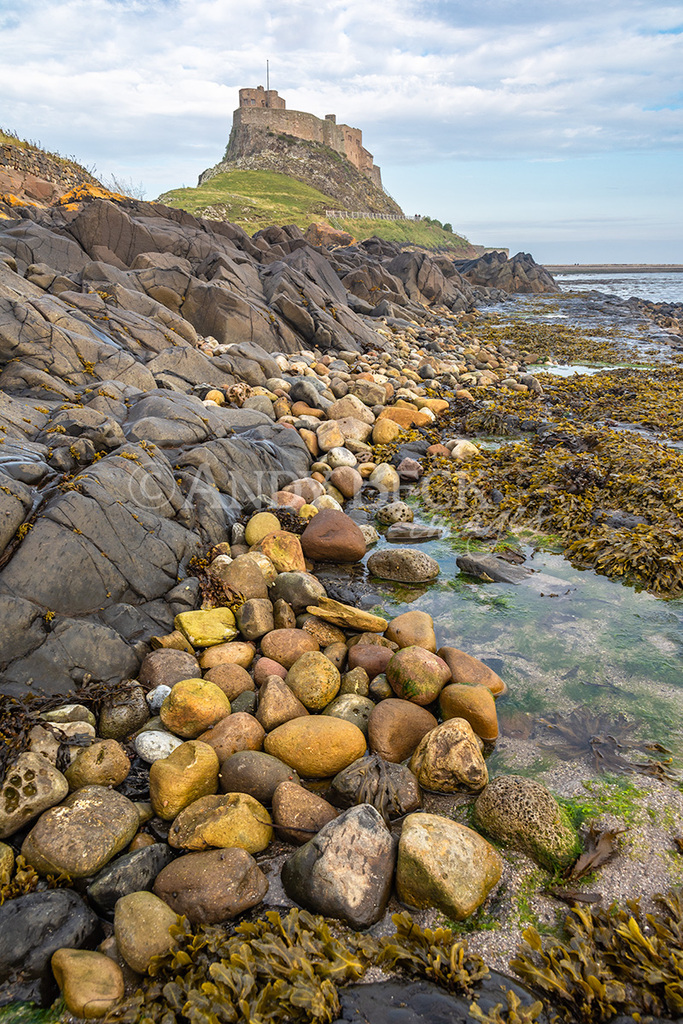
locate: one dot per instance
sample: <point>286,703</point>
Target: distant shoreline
<point>614,268</point>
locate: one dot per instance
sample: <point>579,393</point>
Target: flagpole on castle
<point>267,76</point>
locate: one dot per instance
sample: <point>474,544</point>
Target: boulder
<point>166,667</point>
<point>317,746</point>
<point>351,707</point>
<point>255,618</point>
<point>30,786</point>
<point>134,871</point>
<point>475,704</point>
<point>298,814</point>
<point>206,628</point>
<point>314,680</point>
<point>236,653</point>
<point>417,675</point>
<point>124,712</point>
<point>524,814</point>
<point>102,764</point>
<point>413,629</point>
<point>234,819</point>
<point>384,478</point>
<point>346,870</point>
<point>243,575</point>
<point>212,887</point>
<point>256,773</point>
<point>239,731</point>
<point>232,679</point>
<point>155,744</point>
<point>395,728</point>
<point>370,657</point>
<point>259,526</point>
<point>448,759</point>
<point>82,834</point>
<point>142,924</point>
<point>284,551</point>
<point>306,487</point>
<point>266,667</point>
<point>277,704</point>
<point>466,669</point>
<point>403,565</point>
<point>347,480</point>
<point>193,706</point>
<point>287,645</point>
<point>187,773</point>
<point>355,681</point>
<point>444,865</point>
<point>90,983</point>
<point>394,511</point>
<point>333,537</point>
<point>298,589</point>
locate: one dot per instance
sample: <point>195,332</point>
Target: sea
<point>658,286</point>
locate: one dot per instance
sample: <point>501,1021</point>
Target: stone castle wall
<point>266,111</point>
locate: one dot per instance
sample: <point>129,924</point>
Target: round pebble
<point>156,697</point>
<point>152,745</point>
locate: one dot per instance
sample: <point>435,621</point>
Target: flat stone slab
<point>492,569</point>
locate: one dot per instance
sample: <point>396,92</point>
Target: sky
<point>550,128</point>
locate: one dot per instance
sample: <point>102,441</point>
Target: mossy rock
<point>526,816</point>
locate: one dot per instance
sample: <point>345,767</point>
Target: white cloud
<point>147,87</point>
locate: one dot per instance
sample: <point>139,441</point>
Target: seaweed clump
<point>537,342</point>
<point>277,969</point>
<point>26,880</point>
<point>613,498</point>
<point>607,739</point>
<point>285,969</point>
<point>431,954</point>
<point>612,961</point>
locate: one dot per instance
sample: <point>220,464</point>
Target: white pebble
<point>157,696</point>
<point>152,745</point>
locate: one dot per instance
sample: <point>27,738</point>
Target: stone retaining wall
<point>32,161</point>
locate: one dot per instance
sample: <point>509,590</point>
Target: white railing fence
<point>367,215</point>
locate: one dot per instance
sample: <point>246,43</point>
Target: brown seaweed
<point>610,961</point>
<point>606,738</point>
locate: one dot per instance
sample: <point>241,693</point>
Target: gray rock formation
<point>116,320</point>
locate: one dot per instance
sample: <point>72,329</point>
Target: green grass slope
<point>411,232</point>
<point>257,199</point>
<point>252,199</point>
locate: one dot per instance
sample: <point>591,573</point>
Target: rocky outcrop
<point>519,274</point>
<point>256,149</point>
<point>117,319</point>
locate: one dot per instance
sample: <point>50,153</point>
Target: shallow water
<point>657,287</point>
<point>566,638</point>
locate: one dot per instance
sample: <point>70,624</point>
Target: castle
<point>264,109</point>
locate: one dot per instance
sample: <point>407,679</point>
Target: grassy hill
<point>257,199</point>
<point>252,199</point>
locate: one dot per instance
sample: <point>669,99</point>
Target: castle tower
<point>263,98</point>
